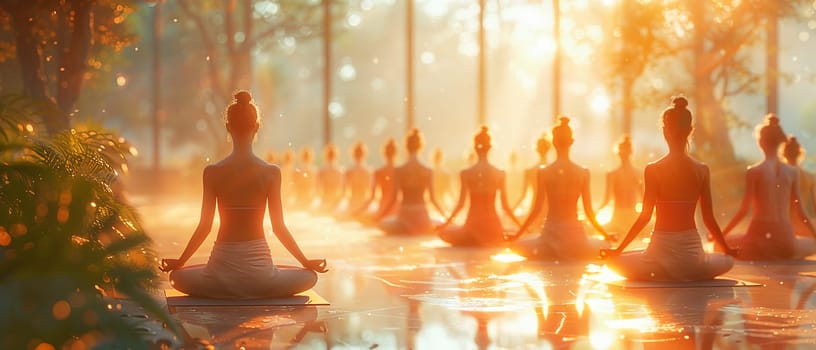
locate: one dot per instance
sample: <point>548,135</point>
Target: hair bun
<point>243,97</point>
<point>772,119</point>
<point>679,102</point>
<point>564,121</point>
<point>482,139</point>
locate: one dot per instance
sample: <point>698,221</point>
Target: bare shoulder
<point>652,169</point>
<point>700,167</point>
<point>499,172</point>
<point>789,170</point>
<point>213,170</point>
<point>272,169</point>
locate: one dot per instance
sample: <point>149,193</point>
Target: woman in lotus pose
<point>771,188</point>
<point>412,181</point>
<point>530,181</point>
<point>794,154</point>
<point>242,186</point>
<point>480,183</point>
<point>561,184</point>
<point>442,179</point>
<point>383,184</point>
<point>304,181</point>
<point>625,187</point>
<point>288,173</point>
<point>675,184</point>
<point>330,180</point>
<point>357,179</point>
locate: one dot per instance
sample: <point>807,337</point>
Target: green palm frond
<point>22,116</point>
<point>66,237</point>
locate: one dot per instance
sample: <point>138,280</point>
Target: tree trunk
<point>75,55</point>
<point>717,141</point>
<point>711,137</point>
<point>627,105</point>
<point>31,68</point>
<point>244,58</point>
<point>772,59</point>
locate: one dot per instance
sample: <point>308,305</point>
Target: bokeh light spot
<point>44,346</point>
<point>61,310</point>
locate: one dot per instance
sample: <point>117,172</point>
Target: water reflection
<point>250,327</point>
<point>661,318</point>
<point>413,293</point>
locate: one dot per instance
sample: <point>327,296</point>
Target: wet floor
<point>416,293</point>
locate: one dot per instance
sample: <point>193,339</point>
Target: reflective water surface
<point>416,293</point>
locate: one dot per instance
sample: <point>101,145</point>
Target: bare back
<point>483,181</point>
<point>413,179</point>
<point>563,182</point>
<point>772,183</point>
<point>384,180</point>
<point>676,184</point>
<point>330,183</point>
<point>242,189</point>
<point>358,181</point>
<point>807,191</point>
<point>625,183</point>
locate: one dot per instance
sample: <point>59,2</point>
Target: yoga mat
<point>787,262</point>
<point>717,282</point>
<point>307,298</point>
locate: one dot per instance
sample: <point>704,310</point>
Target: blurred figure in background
<point>624,186</point>
<point>412,181</point>
<point>357,179</point>
<point>442,179</point>
<point>271,157</point>
<point>771,190</point>
<point>288,173</point>
<point>330,180</point>
<point>561,184</point>
<point>304,179</point>
<point>480,184</point>
<point>514,178</point>
<point>794,154</point>
<point>530,182</point>
<point>382,186</point>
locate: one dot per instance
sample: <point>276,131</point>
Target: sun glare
<point>507,256</point>
<point>600,103</point>
<point>604,216</point>
<point>434,243</point>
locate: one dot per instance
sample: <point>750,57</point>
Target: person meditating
<point>412,181</point>
<point>675,183</point>
<point>529,182</point>
<point>382,186</point>
<point>771,188</point>
<point>242,186</point>
<point>479,184</point>
<point>357,179</point>
<point>305,180</point>
<point>442,179</point>
<point>625,187</point>
<point>794,154</point>
<point>329,182</point>
<point>561,184</point>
